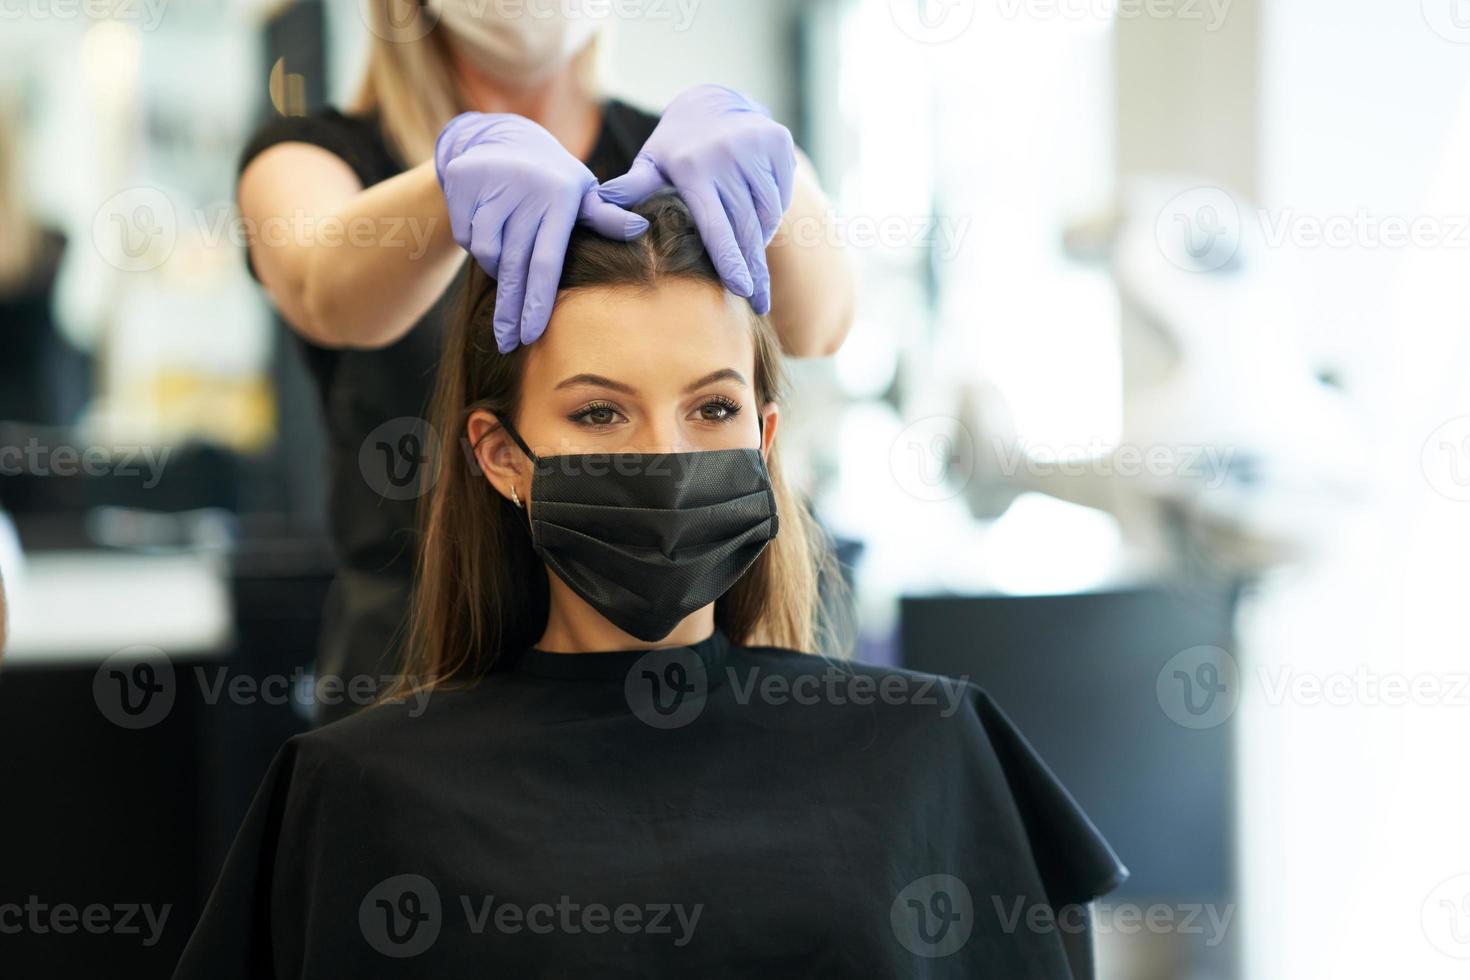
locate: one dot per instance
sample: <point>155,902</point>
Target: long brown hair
<point>481,589</point>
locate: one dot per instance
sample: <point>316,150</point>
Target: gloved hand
<point>514,195</point>
<point>734,166</point>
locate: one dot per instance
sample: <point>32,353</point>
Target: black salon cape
<point>556,797</point>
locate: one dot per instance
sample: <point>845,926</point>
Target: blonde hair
<point>410,76</point>
<point>481,589</point>
<point>20,236</point>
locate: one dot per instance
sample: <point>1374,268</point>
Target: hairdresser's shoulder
<point>328,122</point>
<point>356,138</point>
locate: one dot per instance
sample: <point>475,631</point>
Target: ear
<point>499,458</point>
<point>771,413</point>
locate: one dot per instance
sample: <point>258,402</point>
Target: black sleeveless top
<point>375,403</point>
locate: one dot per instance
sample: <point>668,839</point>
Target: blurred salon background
<point>1154,422</point>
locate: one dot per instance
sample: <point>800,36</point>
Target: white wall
<point>1358,817</point>
<point>1355,856</point>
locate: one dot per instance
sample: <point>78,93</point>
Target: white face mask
<point>516,41</point>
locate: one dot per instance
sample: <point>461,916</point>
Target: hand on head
<point>514,194</point>
<point>734,166</point>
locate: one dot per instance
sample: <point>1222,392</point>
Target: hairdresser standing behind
<point>480,129</point>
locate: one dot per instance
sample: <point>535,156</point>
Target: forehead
<point>655,339</point>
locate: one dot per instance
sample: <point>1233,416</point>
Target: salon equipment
<point>103,806</point>
<point>1234,451</point>
<point>1092,678</point>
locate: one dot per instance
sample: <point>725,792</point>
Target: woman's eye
<point>719,410</point>
<point>595,415</point>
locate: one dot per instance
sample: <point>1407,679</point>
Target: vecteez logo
<point>932,21</point>
<point>1445,459</point>
<point>1450,19</point>
<point>399,22</point>
<point>401,917</point>
<point>136,229</point>
<point>933,458</point>
<point>667,688</point>
<point>1199,688</point>
<point>1200,230</point>
<point>135,688</point>
<point>1446,917</point>
<point>399,459</point>
<point>933,916</point>
<point>41,918</point>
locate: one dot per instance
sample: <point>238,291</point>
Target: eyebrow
<point>598,381</point>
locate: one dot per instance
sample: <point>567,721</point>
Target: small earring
<point>515,498</point>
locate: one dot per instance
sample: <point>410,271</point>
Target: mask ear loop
<point>535,460</point>
<point>516,436</point>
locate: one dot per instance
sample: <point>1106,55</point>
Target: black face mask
<point>648,538</point>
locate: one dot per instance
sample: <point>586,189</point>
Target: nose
<point>662,435</point>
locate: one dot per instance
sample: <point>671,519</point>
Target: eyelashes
<point>730,407</point>
<point>596,414</point>
<point>582,415</point>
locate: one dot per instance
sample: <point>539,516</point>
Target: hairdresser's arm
<point>346,267</point>
<point>812,280</point>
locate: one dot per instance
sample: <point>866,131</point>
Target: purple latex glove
<point>514,195</point>
<point>734,166</point>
